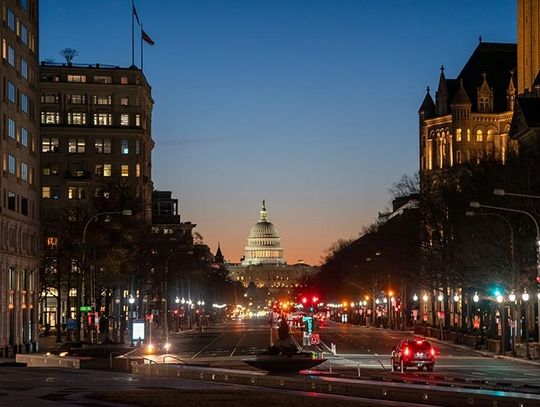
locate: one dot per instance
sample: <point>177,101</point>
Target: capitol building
<point>263,264</point>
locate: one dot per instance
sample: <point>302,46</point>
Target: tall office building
<point>95,136</point>
<point>19,202</point>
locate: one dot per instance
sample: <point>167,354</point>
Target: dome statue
<point>263,243</point>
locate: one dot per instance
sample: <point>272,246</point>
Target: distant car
<point>414,353</point>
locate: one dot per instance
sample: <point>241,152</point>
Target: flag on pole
<point>135,14</point>
<point>147,38</point>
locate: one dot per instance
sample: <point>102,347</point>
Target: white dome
<point>263,243</point>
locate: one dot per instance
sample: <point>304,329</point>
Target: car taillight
<point>432,352</point>
<point>406,351</point>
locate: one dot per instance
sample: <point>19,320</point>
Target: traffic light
<point>304,300</point>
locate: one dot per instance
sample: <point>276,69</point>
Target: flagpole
<point>132,34</point>
<point>142,47</point>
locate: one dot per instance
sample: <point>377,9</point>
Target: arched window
<point>479,136</point>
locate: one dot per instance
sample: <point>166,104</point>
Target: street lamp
<point>124,212</point>
<point>512,296</point>
<point>525,298</point>
<point>440,297</point>
<point>456,298</point>
<point>415,297</point>
<point>425,297</point>
<point>476,298</point>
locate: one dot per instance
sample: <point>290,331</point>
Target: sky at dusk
<point>308,104</point>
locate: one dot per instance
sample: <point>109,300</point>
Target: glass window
<point>24,102</point>
<point>51,169</point>
<point>77,118</point>
<point>102,119</point>
<point>77,99</point>
<point>125,170</point>
<point>137,170</point>
<point>11,56</point>
<point>76,192</point>
<point>103,146</point>
<point>107,170</point>
<point>76,145</point>
<point>124,80</point>
<point>24,4</point>
<point>102,99</point>
<point>49,98</point>
<point>12,133</point>
<point>102,79</point>
<point>124,119</point>
<point>50,118</point>
<point>125,147</point>
<point>49,145</point>
<point>76,78</point>
<point>11,164</point>
<point>137,147</point>
<point>24,68</point>
<point>24,206</point>
<point>24,137</point>
<point>23,33</point>
<point>11,19</point>
<point>124,101</point>
<point>138,120</point>
<point>24,171</point>
<point>11,200</point>
<point>479,136</point>
<point>11,92</point>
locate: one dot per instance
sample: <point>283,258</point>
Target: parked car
<point>414,353</point>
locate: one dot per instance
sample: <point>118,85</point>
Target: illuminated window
<point>76,99</point>
<point>124,119</point>
<point>50,118</point>
<point>76,78</point>
<point>49,145</point>
<point>124,101</point>
<point>52,242</point>
<point>76,145</point>
<point>103,146</point>
<point>124,80</point>
<point>49,98</point>
<point>102,99</point>
<point>468,134</point>
<point>107,170</point>
<point>137,170</point>
<point>479,136</point>
<point>51,169</point>
<point>125,147</point>
<point>138,120</point>
<point>102,119</point>
<point>77,118</point>
<point>46,192</point>
<point>76,192</point>
<point>125,170</point>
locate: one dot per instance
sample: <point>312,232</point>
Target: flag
<point>135,14</point>
<point>147,38</point>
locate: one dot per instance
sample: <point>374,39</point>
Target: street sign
<point>315,339</point>
<point>138,331</point>
<point>308,321</point>
<point>71,324</point>
<point>85,308</point>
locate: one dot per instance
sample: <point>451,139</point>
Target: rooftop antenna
<point>69,54</point>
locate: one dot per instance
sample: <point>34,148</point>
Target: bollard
<point>359,375</point>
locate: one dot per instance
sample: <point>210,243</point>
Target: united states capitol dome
<point>263,243</point>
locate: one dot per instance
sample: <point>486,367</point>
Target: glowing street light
<point>440,297</point>
<point>476,298</point>
<point>425,297</point>
<point>415,297</point>
<point>456,298</point>
<point>512,296</point>
<point>525,295</point>
<point>131,300</point>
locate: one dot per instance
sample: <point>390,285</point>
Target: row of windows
<point>8,54</point>
<point>18,133</point>
<point>17,97</point>
<point>78,99</point>
<point>23,280</point>
<point>100,170</point>
<point>78,145</point>
<point>17,203</point>
<point>79,78</point>
<point>99,119</point>
<point>19,28</point>
<point>76,192</point>
<point>18,168</point>
<point>479,135</point>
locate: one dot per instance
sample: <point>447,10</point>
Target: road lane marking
<point>237,345</point>
<point>206,346</point>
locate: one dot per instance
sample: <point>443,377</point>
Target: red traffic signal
<point>315,299</point>
<point>304,300</point>
<point>538,280</point>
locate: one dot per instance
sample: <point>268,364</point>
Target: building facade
<point>95,140</point>
<point>19,182</point>
<point>471,114</point>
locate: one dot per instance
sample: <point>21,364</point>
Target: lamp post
<point>525,298</point>
<point>125,212</point>
<point>537,242</point>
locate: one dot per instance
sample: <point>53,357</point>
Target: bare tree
<point>69,54</point>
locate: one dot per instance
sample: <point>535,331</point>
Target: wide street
<point>357,347</point>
